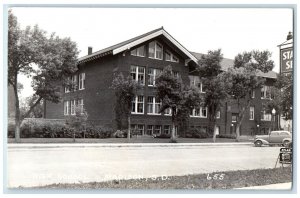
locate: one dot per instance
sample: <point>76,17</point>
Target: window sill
<point>134,113</point>
<point>156,114</point>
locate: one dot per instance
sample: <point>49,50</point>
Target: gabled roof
<point>126,45</point>
<point>226,63</point>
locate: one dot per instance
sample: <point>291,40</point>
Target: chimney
<point>289,36</point>
<point>90,50</point>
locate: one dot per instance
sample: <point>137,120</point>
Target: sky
<point>197,29</point>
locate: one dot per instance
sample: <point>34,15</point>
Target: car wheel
<point>286,143</point>
<point>258,143</point>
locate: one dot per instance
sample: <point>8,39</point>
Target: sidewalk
<point>114,145</point>
<point>280,186</point>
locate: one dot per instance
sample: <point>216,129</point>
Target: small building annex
<point>143,58</point>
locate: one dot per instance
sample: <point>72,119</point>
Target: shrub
<point>197,133</point>
<point>231,136</point>
<point>163,136</point>
<point>119,134</point>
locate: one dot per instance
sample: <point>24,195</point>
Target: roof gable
<point>126,45</point>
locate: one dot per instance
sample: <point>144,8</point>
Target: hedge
<point>50,128</point>
<point>197,133</point>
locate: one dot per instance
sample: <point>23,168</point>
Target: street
<point>37,166</point>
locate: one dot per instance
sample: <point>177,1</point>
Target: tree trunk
<point>17,113</point>
<point>173,126</point>
<point>240,119</point>
<point>129,126</point>
<point>214,132</point>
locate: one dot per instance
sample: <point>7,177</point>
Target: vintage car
<point>275,137</point>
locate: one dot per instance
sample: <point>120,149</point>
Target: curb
<point>118,145</point>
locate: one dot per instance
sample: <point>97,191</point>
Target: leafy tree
<point>181,99</point>
<point>78,121</point>
<point>244,78</point>
<point>48,60</point>
<point>216,85</point>
<point>125,91</point>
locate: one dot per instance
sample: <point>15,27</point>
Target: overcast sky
<point>197,29</point>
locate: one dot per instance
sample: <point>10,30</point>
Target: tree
<point>285,84</point>
<point>78,121</point>
<point>125,91</point>
<point>173,94</point>
<point>48,60</point>
<point>244,78</point>
<point>216,85</point>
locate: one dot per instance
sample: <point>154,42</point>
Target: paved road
<point>40,166</point>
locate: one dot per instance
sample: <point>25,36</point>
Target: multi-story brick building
<point>143,58</point>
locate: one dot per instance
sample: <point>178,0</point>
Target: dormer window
<point>155,50</point>
<point>171,57</point>
<point>140,51</point>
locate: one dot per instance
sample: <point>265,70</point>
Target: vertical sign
<point>286,60</point>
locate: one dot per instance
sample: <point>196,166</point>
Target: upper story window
<point>265,116</point>
<point>67,87</point>
<point>266,92</point>
<point>251,113</point>
<point>137,105</point>
<point>218,114</point>
<point>80,104</point>
<point>171,57</point>
<point>252,93</point>
<point>195,81</point>
<point>199,112</point>
<point>66,108</point>
<point>81,81</point>
<point>140,51</point>
<point>152,75</point>
<point>155,50</point>
<point>137,73</point>
<point>154,105</point>
<point>74,82</point>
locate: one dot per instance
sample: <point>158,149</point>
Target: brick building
<point>142,58</point>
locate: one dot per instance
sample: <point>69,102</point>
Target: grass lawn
<point>121,140</point>
<point>230,180</point>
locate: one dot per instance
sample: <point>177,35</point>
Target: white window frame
<point>169,129</point>
<point>196,82</point>
<point>251,113</point>
<point>135,52</point>
<point>81,81</point>
<point>81,104</point>
<point>200,114</point>
<point>66,107</point>
<point>73,107</point>
<point>155,50</point>
<point>155,74</point>
<point>218,114</point>
<point>168,112</point>
<point>253,93</point>
<point>150,127</point>
<point>74,82</point>
<point>154,104</point>
<point>171,57</point>
<point>264,90</point>
<point>67,87</point>
<point>155,128</point>
<point>135,103</point>
<point>265,116</point>
<point>137,73</point>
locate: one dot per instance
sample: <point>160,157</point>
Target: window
<point>81,81</point>
<point>199,112</point>
<point>155,50</point>
<point>171,57</point>
<point>168,112</point>
<point>233,118</point>
<point>167,129</point>
<point>266,92</point>
<point>218,114</point>
<point>67,86</point>
<point>251,113</point>
<point>66,107</point>
<point>266,116</point>
<point>176,74</point>
<point>140,51</point>
<point>150,129</point>
<point>137,105</point>
<point>138,74</point>
<point>157,130</point>
<point>195,81</point>
<point>80,104</point>
<point>152,75</point>
<point>74,82</point>
<point>73,105</point>
<point>154,105</point>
